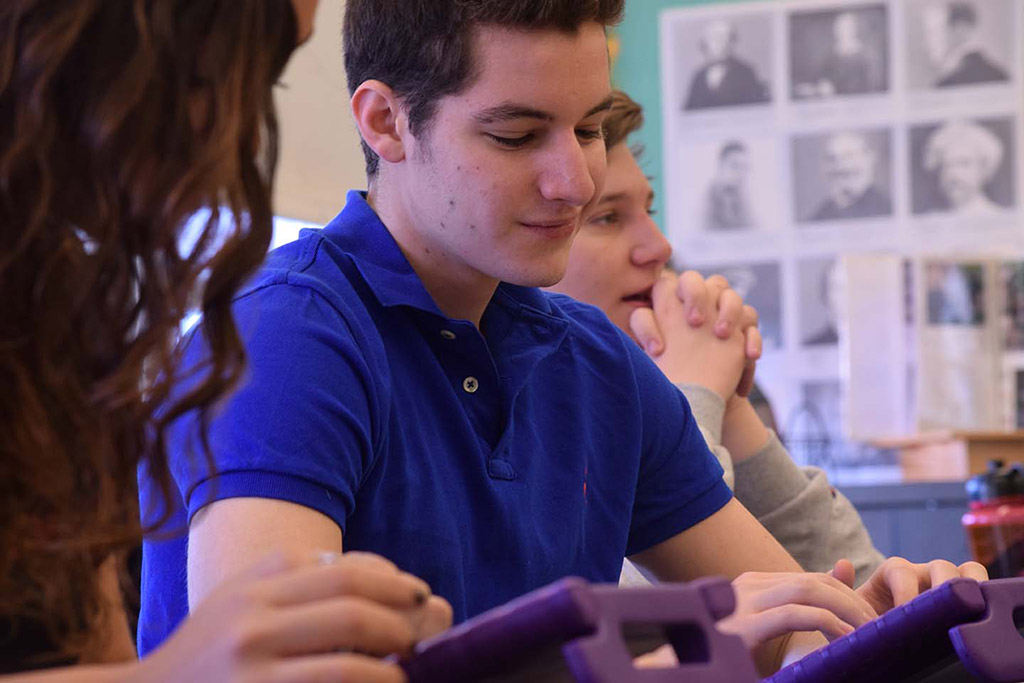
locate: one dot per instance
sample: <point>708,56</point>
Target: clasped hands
<point>699,331</point>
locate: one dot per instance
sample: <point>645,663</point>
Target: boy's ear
<point>380,120</point>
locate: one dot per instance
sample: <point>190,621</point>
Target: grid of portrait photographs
<point>797,131</point>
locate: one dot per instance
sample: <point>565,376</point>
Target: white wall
<point>320,156</point>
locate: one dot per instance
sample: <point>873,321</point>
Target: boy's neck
<point>459,291</point>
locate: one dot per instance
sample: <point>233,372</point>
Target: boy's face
<point>494,188</point>
<point>619,253</point>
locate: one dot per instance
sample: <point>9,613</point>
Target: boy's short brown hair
<point>624,118</point>
<point>422,48</point>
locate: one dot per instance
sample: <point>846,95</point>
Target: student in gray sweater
<point>614,264</point>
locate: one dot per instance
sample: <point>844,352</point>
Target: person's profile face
<point>962,174</point>
<point>734,167</point>
<point>716,40</point>
<point>849,166</point>
<point>495,185</point>
<point>619,252</point>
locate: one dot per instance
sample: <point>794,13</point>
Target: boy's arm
<point>730,543</point>
<point>733,544</point>
<point>228,536</point>
<point>814,523</point>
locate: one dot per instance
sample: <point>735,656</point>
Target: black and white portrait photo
<point>955,293</point>
<point>819,292</point>
<point>1013,305</point>
<point>963,166</point>
<point>842,175</point>
<point>839,52</point>
<point>760,286</point>
<point>727,202</point>
<point>730,184</point>
<point>724,61</point>
<point>954,43</point>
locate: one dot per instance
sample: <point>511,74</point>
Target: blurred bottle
<point>995,521</point>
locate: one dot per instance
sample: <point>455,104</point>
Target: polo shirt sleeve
<point>301,426</point>
<point>680,481</point>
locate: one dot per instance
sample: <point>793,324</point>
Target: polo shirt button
<point>448,334</point>
<point>470,385</point>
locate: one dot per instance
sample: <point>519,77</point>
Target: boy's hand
<point>898,581</point>
<point>699,332</point>
<point>727,301</point>
<point>770,605</point>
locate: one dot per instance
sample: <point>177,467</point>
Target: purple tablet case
<point>960,631</point>
<point>574,630</point>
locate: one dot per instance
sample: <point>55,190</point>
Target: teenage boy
<point>614,263</point>
<point>411,393</point>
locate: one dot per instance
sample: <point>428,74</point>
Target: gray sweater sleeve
<point>814,522</point>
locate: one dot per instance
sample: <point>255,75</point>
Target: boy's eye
<point>589,133</point>
<point>610,218</point>
<point>511,143</point>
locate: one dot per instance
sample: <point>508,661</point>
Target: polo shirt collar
<point>359,231</point>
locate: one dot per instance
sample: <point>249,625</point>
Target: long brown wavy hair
<point>119,120</point>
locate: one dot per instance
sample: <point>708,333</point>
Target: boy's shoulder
<point>587,322</point>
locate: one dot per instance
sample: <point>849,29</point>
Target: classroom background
<point>826,190</point>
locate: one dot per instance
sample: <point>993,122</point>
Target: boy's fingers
<point>773,622</point>
<point>973,570</point>
<point>662,658</point>
<point>746,384</point>
<point>730,313</point>
<point>750,317</point>
<point>693,292</point>
<point>644,327</point>
<point>844,572</point>
<point>754,344</point>
<point>903,582</point>
<point>814,590</point>
<point>941,571</point>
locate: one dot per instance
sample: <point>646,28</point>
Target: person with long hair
<point>119,122</point>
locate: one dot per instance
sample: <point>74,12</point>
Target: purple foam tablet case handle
<point>900,643</point>
<point>960,620</point>
<point>992,648</point>
<point>574,630</point>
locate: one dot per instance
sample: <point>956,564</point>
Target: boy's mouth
<point>642,298</point>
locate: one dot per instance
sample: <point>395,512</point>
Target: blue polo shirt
<point>487,464</point>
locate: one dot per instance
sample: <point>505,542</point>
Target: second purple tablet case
<point>573,630</point>
<point>960,631</point>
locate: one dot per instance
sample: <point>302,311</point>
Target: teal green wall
<point>638,72</point>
